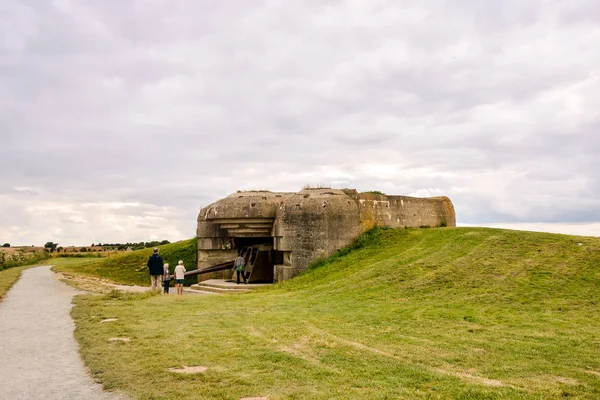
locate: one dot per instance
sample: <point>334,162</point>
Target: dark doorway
<point>259,254</point>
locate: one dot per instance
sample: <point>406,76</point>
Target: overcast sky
<point>119,119</point>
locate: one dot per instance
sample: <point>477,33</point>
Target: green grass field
<point>130,268</point>
<point>450,313</point>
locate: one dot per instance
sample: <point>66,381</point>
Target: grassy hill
<point>450,313</point>
<point>130,268</point>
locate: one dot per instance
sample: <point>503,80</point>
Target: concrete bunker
<point>282,233</point>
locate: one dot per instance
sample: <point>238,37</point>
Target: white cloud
<point>73,223</point>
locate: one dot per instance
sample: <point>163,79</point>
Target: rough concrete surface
<point>295,229</point>
<point>39,356</point>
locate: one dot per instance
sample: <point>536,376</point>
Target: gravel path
<point>39,356</point>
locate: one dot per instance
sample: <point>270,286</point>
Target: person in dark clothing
<point>156,269</point>
<point>238,264</point>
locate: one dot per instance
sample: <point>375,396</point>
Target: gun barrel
<point>213,268</point>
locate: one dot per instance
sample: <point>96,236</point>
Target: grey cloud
<point>172,106</point>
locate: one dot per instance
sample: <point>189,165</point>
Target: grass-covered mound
<point>450,313</point>
<point>130,268</point>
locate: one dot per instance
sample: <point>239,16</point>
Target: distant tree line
<point>52,247</point>
<point>131,245</point>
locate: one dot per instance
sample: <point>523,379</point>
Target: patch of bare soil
<point>563,380</point>
<point>472,378</point>
<point>119,339</point>
<point>188,369</point>
<point>304,350</point>
<point>96,285</point>
<point>592,372</point>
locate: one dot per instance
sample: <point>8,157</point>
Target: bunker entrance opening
<point>260,257</point>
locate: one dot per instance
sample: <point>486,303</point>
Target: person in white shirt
<point>179,276</point>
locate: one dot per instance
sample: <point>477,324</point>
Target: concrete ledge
<point>211,289</point>
<point>225,284</point>
<point>226,287</point>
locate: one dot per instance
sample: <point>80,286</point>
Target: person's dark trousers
<point>166,284</point>
<point>238,273</point>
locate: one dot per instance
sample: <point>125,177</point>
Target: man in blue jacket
<point>156,268</point>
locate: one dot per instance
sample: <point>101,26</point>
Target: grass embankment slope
<point>130,268</point>
<point>451,313</point>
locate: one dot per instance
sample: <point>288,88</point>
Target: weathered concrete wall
<point>253,204</point>
<point>404,211</point>
<point>245,214</point>
<point>308,225</point>
<point>314,223</point>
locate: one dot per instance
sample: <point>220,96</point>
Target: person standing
<point>155,267</point>
<point>238,265</point>
<point>179,276</point>
<point>166,279</point>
